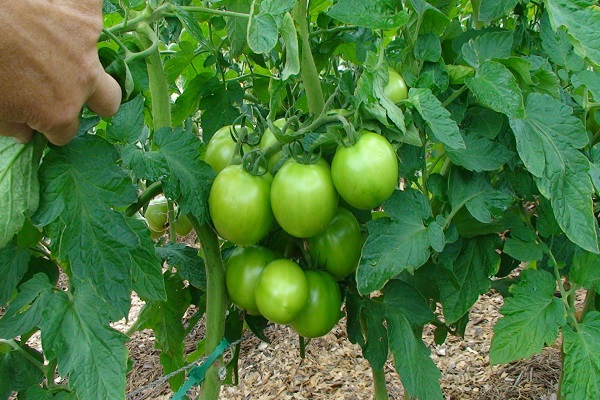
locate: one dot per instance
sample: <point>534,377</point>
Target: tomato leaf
<point>127,125</point>
<point>400,242</point>
<point>591,80</point>
<point>581,368</point>
<point>262,33</point>
<point>25,311</point>
<point>189,265</point>
<point>489,46</point>
<point>19,185</point>
<point>468,276</point>
<point>237,28</point>
<point>547,142</point>
<point>374,14</point>
<point>496,87</point>
<point>292,51</point>
<point>585,270</point>
<point>489,10</point>
<point>430,18</point>
<point>76,332</point>
<point>558,47</point>
<point>531,319</point>
<point>439,120</point>
<point>14,263</point>
<point>581,23</point>
<point>18,373</point>
<point>165,319</point>
<point>480,154</point>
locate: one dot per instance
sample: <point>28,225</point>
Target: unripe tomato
<point>240,205</point>
<point>322,310</point>
<point>220,149</point>
<point>183,226</point>
<point>365,174</point>
<point>396,89</point>
<point>303,198</point>
<point>268,139</point>
<point>157,214</point>
<point>282,291</point>
<point>244,267</point>
<point>338,247</point>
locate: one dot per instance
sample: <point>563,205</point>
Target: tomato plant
<point>366,173</point>
<point>240,205</point>
<point>243,270</point>
<point>322,310</point>
<point>303,197</point>
<point>480,172</point>
<point>282,291</point>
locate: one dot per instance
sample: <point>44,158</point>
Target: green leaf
<point>581,362</point>
<point>276,7</point>
<point>591,80</point>
<point>187,261</point>
<point>443,128</point>
<point>262,33</point>
<point>468,277</point>
<point>489,10</point>
<point>292,51</point>
<point>19,186</point>
<point>480,154</point>
<point>218,102</point>
<point>76,332</point>
<point>81,185</point>
<point>18,373</point>
<point>165,319</point>
<point>581,23</point>
<point>531,319</point>
<point>558,47</point>
<point>14,262</point>
<point>374,14</point>
<point>430,18</point>
<point>237,28</point>
<point>398,243</point>
<point>585,270</point>
<point>475,192</point>
<point>524,250</point>
<point>187,103</point>
<point>25,312</point>
<point>489,46</point>
<point>497,88</point>
<point>428,47</point>
<point>127,125</point>
<point>547,142</point>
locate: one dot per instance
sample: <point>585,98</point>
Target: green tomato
<point>365,174</point>
<point>268,139</point>
<point>220,149</point>
<point>240,205</point>
<point>244,267</point>
<point>322,311</point>
<point>183,226</point>
<point>282,291</point>
<point>396,89</point>
<point>303,198</point>
<point>157,214</point>
<point>338,247</point>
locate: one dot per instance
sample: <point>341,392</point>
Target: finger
<point>21,132</point>
<point>105,101</point>
<point>63,133</point>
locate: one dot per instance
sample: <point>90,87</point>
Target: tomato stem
<point>151,192</point>
<point>379,385</point>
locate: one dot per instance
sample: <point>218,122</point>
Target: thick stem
<point>381,391</point>
<point>216,304</point>
<point>308,69</point>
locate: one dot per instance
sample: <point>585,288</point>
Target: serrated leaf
<point>430,18</point>
<point>585,270</point>
<point>81,184</point>
<point>292,50</point>
<point>547,142</point>
<point>187,103</point>
<point>19,185</point>
<point>442,126</point>
<point>581,362</point>
<point>127,125</point>
<point>581,23</point>
<point>475,192</point>
<point>237,28</point>
<point>218,103</point>
<point>76,332</point>
<point>489,46</point>
<point>374,14</point>
<point>489,10</point>
<point>276,7</point>
<point>558,47</point>
<point>524,250</point>
<point>25,311</point>
<point>262,33</point>
<point>591,80</point>
<point>189,265</point>
<point>497,88</point>
<point>468,277</point>
<point>18,373</point>
<point>428,47</point>
<point>401,242</point>
<point>14,262</point>
<point>531,318</point>
<point>480,154</point>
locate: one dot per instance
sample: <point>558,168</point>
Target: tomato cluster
<point>300,199</point>
<point>156,216</point>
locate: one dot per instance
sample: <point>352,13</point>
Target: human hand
<point>49,67</point>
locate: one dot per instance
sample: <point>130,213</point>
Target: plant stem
<point>216,304</point>
<point>12,343</point>
<point>223,13</point>
<point>151,191</point>
<point>381,392</point>
<point>590,303</point>
<point>308,69</point>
